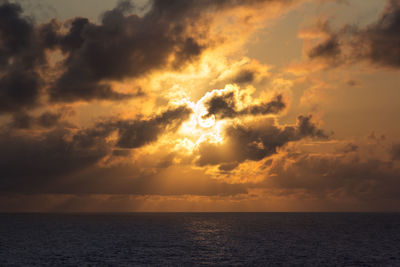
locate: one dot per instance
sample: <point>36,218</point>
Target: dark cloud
<point>381,40</point>
<point>255,141</point>
<point>166,161</point>
<point>378,43</point>
<point>350,148</point>
<point>49,119</point>
<point>243,72</point>
<point>373,182</point>
<point>33,163</point>
<point>306,128</point>
<point>395,152</point>
<point>373,136</point>
<point>22,120</point>
<point>228,166</point>
<point>244,76</point>
<point>122,46</point>
<point>327,49</point>
<point>137,132</point>
<point>19,89</point>
<point>131,179</point>
<point>121,152</point>
<point>134,134</point>
<point>127,46</point>
<point>352,83</point>
<point>55,163</point>
<point>224,104</point>
<point>29,163</point>
<point>16,32</point>
<point>20,58</point>
<point>274,106</point>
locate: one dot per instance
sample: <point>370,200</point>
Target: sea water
<point>188,239</point>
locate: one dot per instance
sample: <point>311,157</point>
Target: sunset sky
<point>199,105</point>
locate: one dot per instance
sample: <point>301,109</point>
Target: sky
<point>199,105</point>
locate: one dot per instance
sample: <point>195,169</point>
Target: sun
<point>199,129</point>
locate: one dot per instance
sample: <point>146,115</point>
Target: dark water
<point>176,239</point>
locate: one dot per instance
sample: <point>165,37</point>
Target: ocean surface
<point>187,239</point>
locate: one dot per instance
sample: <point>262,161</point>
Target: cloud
<point>30,160</point>
<point>381,41</point>
<point>245,76</point>
<point>134,134</point>
<point>377,43</point>
<point>244,72</point>
<point>122,46</point>
<point>132,179</point>
<point>170,35</point>
<point>20,58</point>
<point>231,103</point>
<point>350,147</point>
<point>48,119</point>
<point>371,182</point>
<point>60,162</point>
<point>63,163</point>
<point>328,49</point>
<point>28,163</point>
<point>255,141</point>
<point>395,152</point>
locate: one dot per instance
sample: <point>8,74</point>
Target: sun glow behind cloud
<point>166,107</point>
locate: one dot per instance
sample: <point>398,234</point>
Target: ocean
<point>195,239</point>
